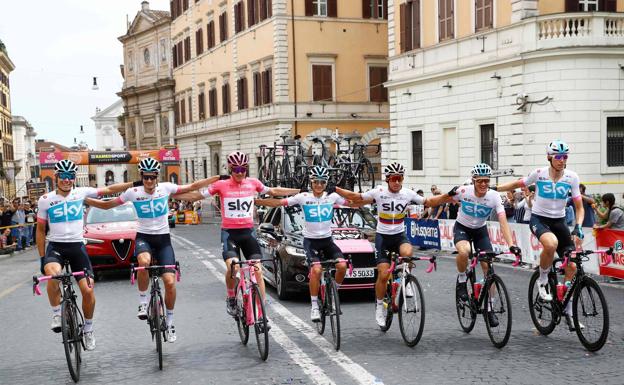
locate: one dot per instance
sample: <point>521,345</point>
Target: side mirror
<point>267,228</point>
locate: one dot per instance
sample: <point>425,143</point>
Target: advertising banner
<point>107,157</point>
<point>169,156</point>
<point>606,238</point>
<point>423,233</point>
<point>48,159</point>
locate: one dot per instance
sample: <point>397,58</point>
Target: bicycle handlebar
<point>433,265</point>
<point>335,261</point>
<point>43,278</point>
<point>249,262</point>
<point>134,269</point>
<point>488,255</point>
<point>577,256</point>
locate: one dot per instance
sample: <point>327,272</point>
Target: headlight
<point>93,241</point>
<point>292,250</point>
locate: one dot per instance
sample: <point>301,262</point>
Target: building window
<point>252,12</point>
<point>193,169</point>
<point>205,168</point>
<point>239,17</point>
<point>180,53</point>
<point>182,112</point>
<point>417,151</point>
<point>484,11</point>
<point>446,22</point>
<point>225,96</point>
<point>591,5</point>
<point>267,86</point>
<point>410,25</point>
<point>450,146</point>
<point>266,9</point>
<point>201,104</point>
<point>223,30</point>
<point>328,8</point>
<point>487,143</point>
<point>374,9</point>
<point>210,32</point>
<point>199,42</point>
<point>322,88</point>
<point>377,76</point>
<point>241,90</point>
<point>190,109</point>
<point>186,173</point>
<point>187,49</point>
<point>257,89</point>
<point>212,102</point>
<point>615,141</point>
<point>320,7</point>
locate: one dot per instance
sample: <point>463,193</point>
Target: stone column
<point>171,126</point>
<point>157,128</point>
<point>127,128</point>
<point>137,129</point>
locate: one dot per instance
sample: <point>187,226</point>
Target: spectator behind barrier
<point>615,216</point>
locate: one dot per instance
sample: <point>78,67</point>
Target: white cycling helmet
<point>481,170</point>
<point>65,165</point>
<point>149,165</point>
<point>557,147</point>
<point>394,168</point>
<point>319,173</point>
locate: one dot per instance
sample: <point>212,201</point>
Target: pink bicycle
<point>156,306</point>
<point>250,310</point>
<point>71,317</point>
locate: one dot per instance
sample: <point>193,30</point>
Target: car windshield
<point>343,217</point>
<point>123,213</point>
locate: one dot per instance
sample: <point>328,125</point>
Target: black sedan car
<point>280,236</point>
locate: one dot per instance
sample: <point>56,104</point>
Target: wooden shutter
<point>190,109</point>
<point>571,5</point>
<point>263,11</point>
<point>176,113</point>
<point>309,8</point>
<point>269,5</point>
<point>180,53</point>
<point>415,24</point>
<point>607,6</point>
<point>182,112</point>
<point>251,12</point>
<point>225,95</point>
<point>174,55</point>
<point>245,93</point>
<point>257,100</point>
<point>236,18</point>
<point>201,106</point>
<point>172,10</point>
<point>212,101</point>
<point>186,5</point>
<point>374,80</point>
<point>267,87</point>
<point>321,82</point>
<point>406,27</point>
<point>445,16</point>
<point>366,9</point>
<point>199,41</point>
<point>187,49</point>
<point>332,8</point>
<point>385,9</point>
<point>383,76</point>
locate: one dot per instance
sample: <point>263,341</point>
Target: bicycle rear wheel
<point>333,302</point>
<point>157,326</point>
<point>387,304</point>
<point>323,309</point>
<point>465,313</point>
<point>497,304</point>
<point>542,313</point>
<point>411,311</point>
<point>241,317</point>
<point>590,307</point>
<point>71,338</point>
<point>260,323</point>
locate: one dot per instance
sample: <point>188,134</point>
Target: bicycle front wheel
<point>591,315</point>
<point>542,313</point>
<point>497,312</point>
<point>71,338</point>
<point>333,307</point>
<point>465,313</point>
<point>411,311</point>
<point>320,325</point>
<point>157,326</point>
<point>241,317</point>
<point>260,323</point>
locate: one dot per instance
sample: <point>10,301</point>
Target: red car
<point>110,236</point>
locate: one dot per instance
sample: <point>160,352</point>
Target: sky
<point>57,48</point>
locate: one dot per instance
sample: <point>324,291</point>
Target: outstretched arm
<point>510,186</point>
<point>270,202</point>
<point>282,191</point>
<point>100,204</point>
<point>438,200</point>
<point>197,185</point>
<point>188,196</point>
<point>115,188</point>
<point>504,225</point>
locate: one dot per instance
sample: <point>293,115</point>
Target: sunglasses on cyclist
<point>67,176</point>
<point>239,169</point>
<point>319,181</point>
<point>395,178</point>
<point>561,157</point>
<point>150,177</point>
<point>482,181</point>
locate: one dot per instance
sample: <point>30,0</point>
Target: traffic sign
<point>503,172</point>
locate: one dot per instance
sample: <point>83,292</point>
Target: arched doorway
<point>109,178</point>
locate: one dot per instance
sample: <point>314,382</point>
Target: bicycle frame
<point>245,281</point>
<point>400,268</point>
<point>483,256</point>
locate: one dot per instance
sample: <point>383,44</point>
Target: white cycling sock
<point>169,318</point>
<point>543,277</point>
<point>56,310</point>
<point>461,277</point>
<point>88,325</point>
<point>314,301</point>
<point>568,308</point>
<point>143,297</point>
<point>379,301</point>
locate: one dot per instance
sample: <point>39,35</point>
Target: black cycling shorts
<point>540,225</point>
<point>386,244</point>
<point>158,246</point>
<point>314,246</point>
<point>74,252</point>
<point>235,240</point>
<point>479,237</point>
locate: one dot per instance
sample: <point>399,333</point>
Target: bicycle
<point>329,302</point>
<point>487,298</point>
<point>156,306</point>
<point>405,297</point>
<point>71,317</point>
<point>250,309</point>
<point>582,293</point>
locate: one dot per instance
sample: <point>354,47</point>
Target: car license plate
<point>362,272</point>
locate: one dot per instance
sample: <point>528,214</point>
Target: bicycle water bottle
<point>395,287</point>
<point>562,289</point>
<point>477,288</point>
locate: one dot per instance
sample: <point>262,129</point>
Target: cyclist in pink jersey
<point>236,195</point>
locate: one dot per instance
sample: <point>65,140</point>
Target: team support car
<point>281,239</point>
<point>110,235</point>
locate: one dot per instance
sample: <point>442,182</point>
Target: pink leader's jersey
<point>237,201</point>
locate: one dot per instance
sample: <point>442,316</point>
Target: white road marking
<point>11,289</point>
<point>356,371</point>
<point>313,371</point>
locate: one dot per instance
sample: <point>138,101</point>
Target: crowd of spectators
<point>17,224</point>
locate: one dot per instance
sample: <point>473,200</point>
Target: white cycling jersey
<point>476,210</point>
<point>317,212</point>
<point>64,214</point>
<point>392,207</point>
<point>551,198</point>
<point>152,209</point>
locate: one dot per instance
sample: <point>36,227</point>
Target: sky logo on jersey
<point>549,190</point>
<point>153,208</point>
<point>67,212</point>
<point>318,213</point>
<point>238,207</point>
<point>475,210</point>
<point>393,207</point>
